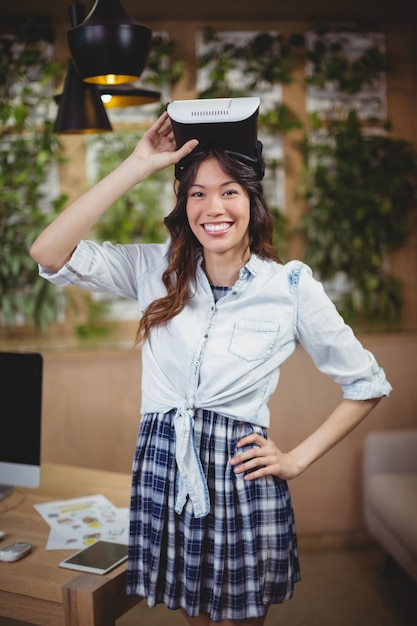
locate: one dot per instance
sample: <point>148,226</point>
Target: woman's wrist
<point>133,171</point>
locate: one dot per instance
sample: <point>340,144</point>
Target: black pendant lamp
<point>126,95</point>
<point>109,47</point>
<point>81,110</point>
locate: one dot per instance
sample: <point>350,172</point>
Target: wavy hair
<point>180,274</point>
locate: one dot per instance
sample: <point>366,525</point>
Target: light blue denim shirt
<point>225,356</point>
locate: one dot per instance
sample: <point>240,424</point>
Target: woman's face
<point>218,211</point>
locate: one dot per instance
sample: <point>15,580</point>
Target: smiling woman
<point>212,528</point>
<point>218,212</point>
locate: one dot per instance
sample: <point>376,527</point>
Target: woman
<point>212,527</point>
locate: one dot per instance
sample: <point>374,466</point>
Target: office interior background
<point>97,426</point>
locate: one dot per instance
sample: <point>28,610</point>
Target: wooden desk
<point>35,589</point>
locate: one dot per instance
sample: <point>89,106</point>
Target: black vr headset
<point>228,123</point>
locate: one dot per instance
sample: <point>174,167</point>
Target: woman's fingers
<point>264,458</point>
<point>242,461</point>
<point>186,148</point>
<point>159,123</point>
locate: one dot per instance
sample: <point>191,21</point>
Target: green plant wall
<point>28,151</point>
<point>359,186</point>
<point>360,192</point>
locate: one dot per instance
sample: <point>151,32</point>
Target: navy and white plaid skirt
<point>230,564</point>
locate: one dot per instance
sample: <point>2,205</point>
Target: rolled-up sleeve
<point>332,345</point>
<point>102,268</point>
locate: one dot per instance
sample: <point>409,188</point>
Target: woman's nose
<point>215,206</point>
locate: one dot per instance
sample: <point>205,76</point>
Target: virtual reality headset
<point>227,123</point>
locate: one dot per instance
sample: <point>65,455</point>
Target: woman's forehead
<point>211,170</point>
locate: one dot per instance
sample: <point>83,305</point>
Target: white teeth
<point>217,227</point>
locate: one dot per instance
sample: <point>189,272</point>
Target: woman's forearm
<point>267,458</point>
<point>346,416</point>
<point>56,243</point>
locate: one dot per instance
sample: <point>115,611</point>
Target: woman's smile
<point>217,228</point>
<point>218,211</point>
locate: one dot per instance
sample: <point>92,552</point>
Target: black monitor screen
<point>20,408</point>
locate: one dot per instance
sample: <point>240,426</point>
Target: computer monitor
<point>20,420</point>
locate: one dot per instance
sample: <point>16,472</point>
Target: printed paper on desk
<point>79,522</point>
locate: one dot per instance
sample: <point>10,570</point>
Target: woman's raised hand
<point>157,148</point>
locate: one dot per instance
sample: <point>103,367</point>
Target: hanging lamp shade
<point>126,95</point>
<point>81,110</point>
<point>109,47</point>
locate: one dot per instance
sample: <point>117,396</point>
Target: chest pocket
<point>253,340</point>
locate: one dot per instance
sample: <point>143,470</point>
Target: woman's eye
<point>230,192</point>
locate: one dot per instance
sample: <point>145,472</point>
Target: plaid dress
<point>230,564</point>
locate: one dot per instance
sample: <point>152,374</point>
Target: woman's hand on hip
<point>265,459</point>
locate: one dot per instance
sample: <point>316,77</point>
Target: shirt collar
<point>253,266</point>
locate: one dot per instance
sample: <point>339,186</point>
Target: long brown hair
<point>184,250</point>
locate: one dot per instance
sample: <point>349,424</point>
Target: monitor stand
<point>5,490</point>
